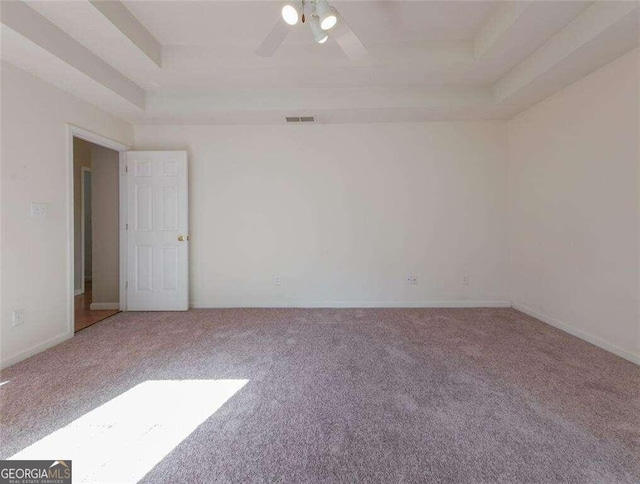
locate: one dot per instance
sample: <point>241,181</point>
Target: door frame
<point>83,228</point>
<point>74,131</point>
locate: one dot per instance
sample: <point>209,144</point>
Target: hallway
<point>85,317</point>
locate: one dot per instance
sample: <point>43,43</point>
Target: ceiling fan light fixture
<point>327,15</point>
<point>329,21</point>
<point>290,14</point>
<point>319,35</point>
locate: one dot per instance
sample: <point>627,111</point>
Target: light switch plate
<point>18,317</point>
<point>39,209</point>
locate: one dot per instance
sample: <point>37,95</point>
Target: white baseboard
<point>595,340</point>
<point>77,292</point>
<point>104,306</point>
<point>352,304</point>
<point>634,358</point>
<point>23,355</point>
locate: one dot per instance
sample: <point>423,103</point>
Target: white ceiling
<point>426,59</point>
<point>241,23</point>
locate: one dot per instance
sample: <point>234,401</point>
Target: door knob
<point>181,238</point>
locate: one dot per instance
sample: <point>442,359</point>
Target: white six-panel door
<point>157,231</point>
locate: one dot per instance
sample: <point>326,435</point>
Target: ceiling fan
<point>322,19</point>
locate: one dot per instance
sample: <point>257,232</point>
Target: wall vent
<point>300,119</point>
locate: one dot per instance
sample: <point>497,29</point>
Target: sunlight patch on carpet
<point>125,438</point>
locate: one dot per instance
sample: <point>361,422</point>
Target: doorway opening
<point>96,243</point>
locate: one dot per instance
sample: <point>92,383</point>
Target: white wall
<point>88,246</point>
<point>342,213</point>
<point>106,230</point>
<point>36,167</point>
<point>81,158</point>
<point>573,177</point>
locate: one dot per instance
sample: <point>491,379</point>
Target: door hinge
<point>126,285</point>
<point>126,168</point>
<point>126,226</point>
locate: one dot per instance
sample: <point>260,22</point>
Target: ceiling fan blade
<point>271,43</point>
<point>348,40</point>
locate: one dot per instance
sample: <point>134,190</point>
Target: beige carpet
<point>406,395</point>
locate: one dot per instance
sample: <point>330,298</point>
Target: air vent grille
<point>300,119</point>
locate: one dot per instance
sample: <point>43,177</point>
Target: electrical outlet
<point>39,209</point>
<point>412,280</point>
<point>465,280</point>
<point>18,317</point>
<point>277,281</point>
